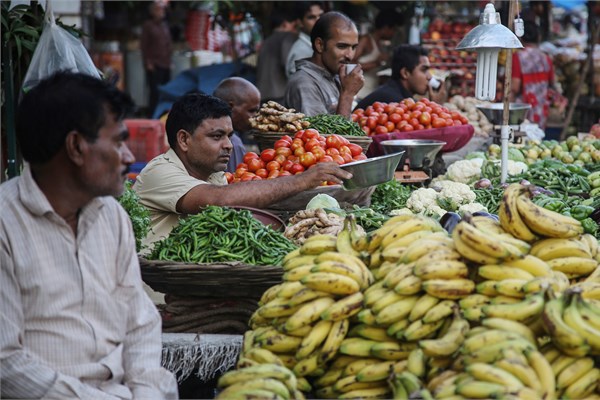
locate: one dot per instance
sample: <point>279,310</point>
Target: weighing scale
<point>421,160</point>
<point>516,115</point>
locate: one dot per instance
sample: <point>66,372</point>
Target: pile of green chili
<point>329,124</point>
<point>219,234</point>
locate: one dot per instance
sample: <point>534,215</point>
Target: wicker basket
<point>227,279</point>
<point>266,140</point>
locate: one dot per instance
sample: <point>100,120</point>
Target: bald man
<point>244,99</point>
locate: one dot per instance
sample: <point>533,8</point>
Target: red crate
<point>147,138</point>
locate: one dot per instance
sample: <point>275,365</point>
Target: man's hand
<point>352,82</point>
<point>324,172</point>
<point>440,96</point>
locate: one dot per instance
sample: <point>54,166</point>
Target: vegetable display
<point>316,221</point>
<point>221,234</point>
<point>556,175</point>
<point>570,151</point>
<point>291,156</point>
<point>406,116</point>
<point>273,117</point>
<point>390,196</point>
<point>138,214</point>
<point>329,124</point>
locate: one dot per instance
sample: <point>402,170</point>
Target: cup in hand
<point>350,68</point>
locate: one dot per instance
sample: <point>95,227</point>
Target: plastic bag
<point>57,50</point>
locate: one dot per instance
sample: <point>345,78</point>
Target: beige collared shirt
<point>160,185</point>
<point>74,319</point>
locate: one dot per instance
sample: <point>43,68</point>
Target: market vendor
<point>410,76</point>
<point>321,84</point>
<point>191,174</point>
<point>74,319</point>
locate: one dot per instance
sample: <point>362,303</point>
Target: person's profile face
<point>418,78</point>
<point>311,17</point>
<point>208,149</point>
<point>244,110</point>
<point>340,48</point>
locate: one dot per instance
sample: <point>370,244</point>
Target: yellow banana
<point>473,389</point>
<point>375,259</point>
<point>395,311</point>
<point>334,340</point>
<point>487,338</point>
<point>263,356</point>
<point>573,372</point>
<point>511,326</point>
<point>358,347</point>
<point>373,296</point>
<point>531,264</point>
<point>566,338</point>
<point>318,244</point>
<point>549,249</point>
<point>408,227</point>
<point>344,240</point>
<point>347,259</point>
<point>259,371</point>
<point>331,283</point>
<point>329,378</point>
<point>342,269</point>
<point>356,366</point>
<point>308,313</point>
<point>546,222</point>
<point>278,307</point>
<point>371,333</point>
<point>366,316</point>
<point>409,286</point>
<point>423,304</point>
<point>541,283</point>
<point>418,330</point>
<point>375,372</point>
<point>344,308</point>
<point>500,272</point>
<point>441,310</point>
<point>298,261</point>
<point>591,243</point>
<point>313,339</point>
<point>389,298</point>
<point>471,253</point>
<point>405,241</point>
<point>304,295</point>
<point>521,371</point>
<point>543,371</point>
<point>486,243</point>
<point>416,362</point>
<point>508,212</point>
<point>270,293</point>
<point>583,387</point>
<point>451,289</point>
<point>574,266</point>
<point>491,373</point>
<point>375,237</point>
<point>512,288</point>
<point>291,255</point>
<point>297,273</point>
<point>449,269</point>
<point>397,328</point>
<point>277,342</point>
<point>392,351</point>
<point>573,318</point>
<point>450,342</point>
<point>487,288</point>
<point>531,306</point>
<point>396,275</point>
<point>495,351</point>
<point>473,300</point>
<point>589,290</point>
<point>300,332</point>
<point>427,245</point>
<point>307,365</point>
<point>382,392</point>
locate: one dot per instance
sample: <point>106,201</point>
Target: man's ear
<point>76,146</point>
<point>182,139</point>
<point>319,45</point>
<point>404,73</point>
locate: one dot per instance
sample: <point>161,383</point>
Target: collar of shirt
<point>305,38</point>
<point>37,203</point>
<point>216,178</point>
<point>316,71</point>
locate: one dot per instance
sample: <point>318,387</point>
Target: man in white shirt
<point>308,15</point>
<point>74,319</point>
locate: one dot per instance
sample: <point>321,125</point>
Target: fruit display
<point>406,116</point>
<point>291,156</point>
<point>507,308</point>
<point>467,106</point>
<point>273,117</point>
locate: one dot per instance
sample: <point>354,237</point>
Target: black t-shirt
<point>391,91</point>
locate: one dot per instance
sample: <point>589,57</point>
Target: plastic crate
<point>147,138</point>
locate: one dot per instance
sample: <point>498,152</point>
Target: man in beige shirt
<point>74,319</point>
<point>191,176</point>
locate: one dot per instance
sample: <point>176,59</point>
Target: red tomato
<point>366,130</point>
<point>280,158</point>
<point>299,151</point>
<point>372,122</point>
<point>281,143</point>
<point>414,122</point>
<point>388,108</point>
<point>273,165</point>
<point>345,150</point>
<point>438,123</point>
<point>319,152</point>
<point>257,178</point>
<point>287,138</point>
<point>287,165</point>
<point>333,141</point>
<point>296,144</point>
<point>444,115</point>
<point>310,134</point>
<point>285,173</point>
<point>284,151</point>
<point>296,169</point>
<point>312,143</point>
<point>347,157</point>
<point>267,155</point>
<point>415,114</point>
<point>420,127</point>
<point>383,118</point>
<point>355,149</point>
<point>395,118</point>
<point>407,128</point>
<point>307,159</point>
<point>409,102</point>
<point>390,126</point>
<point>250,156</point>
<point>229,177</point>
<point>457,122</point>
<point>355,117</point>
<point>359,157</point>
<point>464,120</point>
<point>247,176</point>
<point>326,158</point>
<point>332,151</point>
<point>242,165</point>
<point>293,158</point>
<point>299,135</point>
<point>381,130</point>
<point>273,174</point>
<point>425,118</point>
<point>255,164</point>
<point>378,104</point>
<point>338,159</point>
<point>263,173</point>
<point>239,172</point>
<point>369,110</point>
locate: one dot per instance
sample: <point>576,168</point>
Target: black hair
<point>62,103</point>
<point>322,28</point>
<point>387,18</point>
<point>302,7</point>
<point>532,32</point>
<point>406,56</point>
<point>190,110</point>
<point>279,17</point>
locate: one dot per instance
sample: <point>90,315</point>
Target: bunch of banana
<point>571,256</point>
<point>576,377</point>
<point>498,359</point>
<point>259,381</point>
<point>525,220</point>
<point>573,324</point>
<point>482,242</point>
<point>406,385</point>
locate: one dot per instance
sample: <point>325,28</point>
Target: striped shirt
<point>74,319</point>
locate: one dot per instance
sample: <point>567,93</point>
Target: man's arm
<point>142,346</point>
<point>23,375</point>
<point>260,194</point>
<point>351,85</point>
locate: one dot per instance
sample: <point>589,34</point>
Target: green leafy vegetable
<point>329,124</point>
<point>138,214</point>
<point>390,196</point>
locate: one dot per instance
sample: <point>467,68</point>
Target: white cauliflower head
<point>465,171</point>
<point>471,208</point>
<point>421,199</point>
<point>453,194</point>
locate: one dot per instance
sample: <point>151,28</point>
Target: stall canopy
<point>568,4</point>
<point>203,79</point>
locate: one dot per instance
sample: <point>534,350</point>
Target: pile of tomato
<point>292,156</point>
<point>406,116</point>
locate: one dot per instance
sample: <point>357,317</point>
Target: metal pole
<point>12,167</point>
<point>505,129</point>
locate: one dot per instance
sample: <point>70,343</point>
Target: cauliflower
<point>401,211</point>
<point>453,194</point>
<point>421,199</point>
<point>465,171</point>
<point>471,208</point>
<point>435,212</point>
<point>516,167</point>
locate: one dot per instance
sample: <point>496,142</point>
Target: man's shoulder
<point>9,195</point>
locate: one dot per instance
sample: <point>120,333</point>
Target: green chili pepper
<point>589,226</point>
<point>581,212</point>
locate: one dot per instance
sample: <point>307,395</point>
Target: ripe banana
<point>267,385</point>
<point>450,342</point>
<point>409,286</point>
<point>347,259</point>
<point>472,389</point>
<point>546,222</point>
<point>307,365</point>
<point>531,306</point>
<point>344,239</point>
<point>573,372</point>
<point>491,373</point>
<point>417,362</point>
<point>543,371</point>
<point>356,366</point>
<point>265,371</point>
<point>591,242</point>
<point>487,338</point>
<point>392,351</point>
<point>297,273</point>
<point>451,289</point>
<point>370,332</point>
<point>487,243</point>
<point>548,249</point>
<point>471,253</point>
<point>566,338</point>
<point>511,326</point>
<point>277,342</point>
<point>375,372</point>
<point>583,387</point>
<point>418,330</point>
<point>522,371</point>
<point>308,313</point>
<point>347,270</point>
<point>313,339</point>
<point>397,328</point>
<point>510,218</point>
<point>423,304</point>
<point>278,307</point>
<point>375,237</point>
<point>331,283</point>
<point>573,266</point>
<point>531,264</point>
<point>304,295</point>
<point>500,272</point>
<point>318,244</point>
<point>298,261</point>
<point>441,270</point>
<point>425,246</point>
<point>573,318</point>
<point>344,308</point>
<point>334,340</point>
<point>408,227</point>
<point>396,311</point>
<point>512,288</point>
<point>441,310</point>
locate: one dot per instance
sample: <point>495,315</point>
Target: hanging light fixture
<point>488,38</point>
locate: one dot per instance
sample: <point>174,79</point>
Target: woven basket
<point>227,279</point>
<point>266,140</point>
